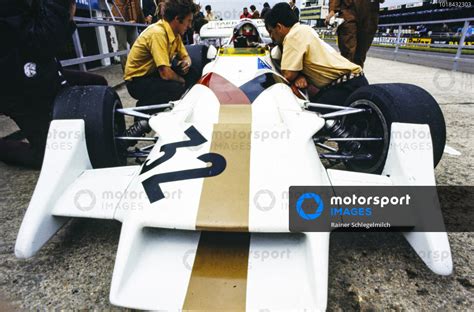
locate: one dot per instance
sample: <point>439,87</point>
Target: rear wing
<point>224,29</point>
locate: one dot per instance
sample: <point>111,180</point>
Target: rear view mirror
<point>276,53</point>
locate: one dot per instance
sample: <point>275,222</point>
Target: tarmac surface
<point>367,272</point>
<point>433,59</point>
<point>427,58</point>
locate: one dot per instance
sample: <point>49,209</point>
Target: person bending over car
<point>310,63</point>
<point>158,67</point>
<point>33,32</point>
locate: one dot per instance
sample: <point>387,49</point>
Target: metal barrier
<point>459,46</point>
<point>83,22</point>
<point>399,39</point>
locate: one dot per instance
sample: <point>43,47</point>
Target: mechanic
<point>159,68</point>
<point>356,33</point>
<point>34,32</point>
<point>310,63</point>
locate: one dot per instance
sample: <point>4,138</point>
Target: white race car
<point>205,216</point>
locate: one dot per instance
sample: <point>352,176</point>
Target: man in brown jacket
<point>355,35</point>
<point>131,11</point>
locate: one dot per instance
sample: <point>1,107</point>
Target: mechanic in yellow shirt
<point>158,68</point>
<point>310,63</point>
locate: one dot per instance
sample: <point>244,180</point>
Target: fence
<point>402,38</point>
<point>459,46</point>
<point>83,22</point>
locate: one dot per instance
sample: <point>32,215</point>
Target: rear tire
<point>198,55</point>
<point>96,105</point>
<point>395,102</point>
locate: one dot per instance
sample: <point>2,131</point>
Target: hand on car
<point>300,82</point>
<point>184,65</point>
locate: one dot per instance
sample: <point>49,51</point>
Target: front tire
<point>97,106</point>
<point>390,103</point>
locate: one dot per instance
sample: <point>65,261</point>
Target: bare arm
<point>166,73</point>
<point>290,75</point>
<point>185,64</point>
<point>295,78</point>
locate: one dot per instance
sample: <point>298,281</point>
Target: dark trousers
<point>356,34</point>
<point>338,94</point>
<point>152,89</point>
<point>32,114</point>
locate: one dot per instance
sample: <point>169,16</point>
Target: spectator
<point>31,75</point>
<point>445,30</point>
<point>295,9</point>
<point>246,14</point>
<point>131,12</point>
<point>149,11</point>
<point>265,10</point>
<point>198,21</point>
<point>422,30</point>
<point>159,67</point>
<point>255,13</point>
<point>209,15</point>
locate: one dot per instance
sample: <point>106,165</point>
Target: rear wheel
<point>198,55</point>
<point>97,106</point>
<point>388,103</point>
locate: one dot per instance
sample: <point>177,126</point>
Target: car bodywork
<point>205,217</point>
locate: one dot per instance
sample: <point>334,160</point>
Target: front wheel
<point>97,106</point>
<point>388,103</point>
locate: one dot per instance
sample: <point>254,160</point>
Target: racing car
<point>208,200</point>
